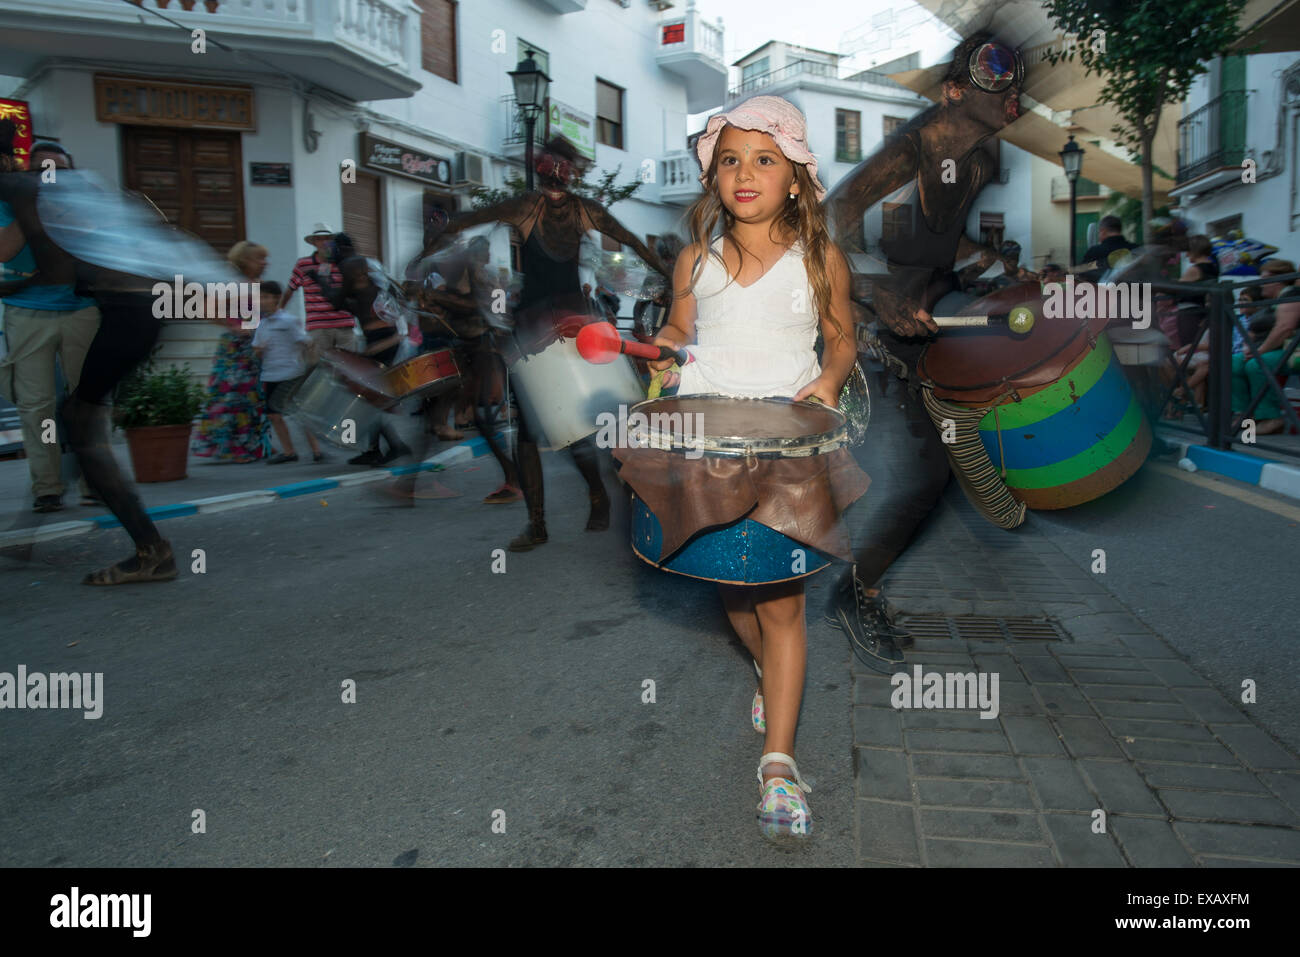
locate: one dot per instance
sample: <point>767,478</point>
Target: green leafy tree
<point>604,191</point>
<point>1148,52</point>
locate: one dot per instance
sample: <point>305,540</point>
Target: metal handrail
<point>1221,318</point>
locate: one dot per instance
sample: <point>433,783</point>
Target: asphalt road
<point>518,693</point>
<point>475,693</point>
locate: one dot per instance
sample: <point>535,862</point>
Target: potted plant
<point>156,409</point>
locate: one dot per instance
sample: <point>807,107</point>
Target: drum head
<point>976,364</point>
<point>362,375</point>
<point>721,425</point>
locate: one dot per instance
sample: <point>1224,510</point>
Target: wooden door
<point>193,176</point>
<point>362,217</point>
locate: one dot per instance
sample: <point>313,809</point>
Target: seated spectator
<point>1202,267</point>
<point>1271,330</point>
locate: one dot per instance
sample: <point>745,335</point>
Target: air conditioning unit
<point>471,168</point>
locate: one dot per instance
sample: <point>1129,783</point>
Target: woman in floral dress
<point>234,426</point>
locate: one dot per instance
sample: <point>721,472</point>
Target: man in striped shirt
<point>329,328</point>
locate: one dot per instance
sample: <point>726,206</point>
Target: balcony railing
<point>385,33</point>
<point>811,68</point>
<point>517,129</point>
<point>1213,136</point>
<point>1086,188</point>
<point>679,177</point>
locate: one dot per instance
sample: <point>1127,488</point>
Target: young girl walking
<point>760,279</point>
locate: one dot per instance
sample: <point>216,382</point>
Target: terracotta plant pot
<point>212,5</point>
<point>159,453</point>
<point>188,4</point>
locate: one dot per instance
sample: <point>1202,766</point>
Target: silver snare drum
<point>725,426</point>
<point>336,404</point>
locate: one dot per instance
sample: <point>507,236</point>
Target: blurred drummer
<point>357,294</point>
<point>980,96</point>
<point>552,222</point>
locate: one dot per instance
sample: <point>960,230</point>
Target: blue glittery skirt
<point>744,552</point>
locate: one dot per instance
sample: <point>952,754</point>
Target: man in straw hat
<point>329,327</point>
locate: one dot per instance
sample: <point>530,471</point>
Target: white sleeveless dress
<point>753,341</point>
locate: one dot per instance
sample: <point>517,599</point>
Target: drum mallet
<point>599,343</point>
<point>1019,320</point>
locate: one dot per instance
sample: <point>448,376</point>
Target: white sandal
<point>784,817</point>
<point>756,714</point>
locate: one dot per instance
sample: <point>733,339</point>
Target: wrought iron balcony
<point>1213,136</point>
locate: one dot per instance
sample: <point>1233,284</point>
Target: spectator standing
<point>329,326</point>
<point>45,320</point>
<point>233,426</point>
<point>1110,239</point>
<point>282,343</point>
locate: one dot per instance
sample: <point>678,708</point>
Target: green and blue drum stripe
<point>1073,440</point>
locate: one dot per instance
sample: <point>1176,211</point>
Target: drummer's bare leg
<point>779,609</point>
<point>585,457</point>
<point>126,336</point>
<point>489,371</point>
<point>884,523</point>
<point>528,462</point>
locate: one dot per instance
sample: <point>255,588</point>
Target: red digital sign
<point>674,33</point>
<point>21,115</point>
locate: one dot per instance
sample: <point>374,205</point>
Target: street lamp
<point>530,94</point>
<point>1072,161</point>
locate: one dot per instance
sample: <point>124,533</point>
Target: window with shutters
<point>848,136</point>
<point>438,38</point>
<point>609,114</point>
<point>891,124</point>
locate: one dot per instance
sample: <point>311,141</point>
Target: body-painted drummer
<point>128,331</point>
<point>552,221</point>
<point>940,156</point>
<point>750,303</point>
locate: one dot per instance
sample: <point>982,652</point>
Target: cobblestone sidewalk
<point>1109,718</point>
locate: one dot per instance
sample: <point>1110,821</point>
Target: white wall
<point>606,40</point>
<point>1268,206</point>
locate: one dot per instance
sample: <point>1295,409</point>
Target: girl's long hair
<point>802,219</point>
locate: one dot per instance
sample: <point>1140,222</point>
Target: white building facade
<point>1243,116</point>
<point>257,119</point>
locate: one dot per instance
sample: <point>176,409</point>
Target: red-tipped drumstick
<point>599,343</point>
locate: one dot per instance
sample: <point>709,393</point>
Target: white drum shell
<point>564,393</point>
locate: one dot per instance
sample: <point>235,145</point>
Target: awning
<point>1036,134</point>
<point>1273,24</point>
<point>1064,90</point>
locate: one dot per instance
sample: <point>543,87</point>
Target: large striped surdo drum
<point>1051,411</point>
<point>740,491</point>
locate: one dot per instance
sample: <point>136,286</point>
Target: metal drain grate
<point>977,628</point>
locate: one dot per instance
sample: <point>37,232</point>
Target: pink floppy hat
<point>777,117</point>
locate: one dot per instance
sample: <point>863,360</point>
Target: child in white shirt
<point>282,343</point>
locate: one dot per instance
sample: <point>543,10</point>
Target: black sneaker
<point>877,610</point>
<point>873,645</point>
<point>368,457</point>
<point>48,503</point>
